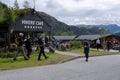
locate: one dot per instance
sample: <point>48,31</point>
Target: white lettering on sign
<point>29,22</point>
<point>39,23</point>
<point>33,27</point>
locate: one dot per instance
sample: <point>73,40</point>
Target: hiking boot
<point>46,57</point>
<point>39,59</point>
<point>14,59</point>
<point>26,59</point>
<point>86,60</point>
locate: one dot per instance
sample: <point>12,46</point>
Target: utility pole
<point>34,4</point>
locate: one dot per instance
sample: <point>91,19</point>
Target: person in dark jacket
<point>108,43</point>
<point>98,44</point>
<point>42,43</point>
<point>86,49</point>
<point>20,47</point>
<point>28,45</point>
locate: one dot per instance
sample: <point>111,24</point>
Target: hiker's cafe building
<point>33,23</point>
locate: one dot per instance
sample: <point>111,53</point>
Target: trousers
<point>20,49</point>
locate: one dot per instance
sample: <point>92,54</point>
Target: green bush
<point>5,15</point>
<point>76,44</point>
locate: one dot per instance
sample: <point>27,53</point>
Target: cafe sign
<point>28,24</point>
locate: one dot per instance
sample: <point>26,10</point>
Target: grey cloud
<point>79,0</point>
<point>52,4</point>
<point>96,15</point>
<point>7,2</point>
<point>89,16</point>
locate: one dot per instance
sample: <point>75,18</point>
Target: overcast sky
<point>77,11</point>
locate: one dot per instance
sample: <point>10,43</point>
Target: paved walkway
<point>78,55</point>
<point>111,50</point>
<point>75,54</point>
<point>66,53</point>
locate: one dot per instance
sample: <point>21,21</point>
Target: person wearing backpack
<point>86,46</point>
<point>20,47</point>
<point>28,45</point>
<point>42,42</point>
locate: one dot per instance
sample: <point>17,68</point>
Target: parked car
<point>117,47</point>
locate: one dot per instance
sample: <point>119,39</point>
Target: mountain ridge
<point>113,28</point>
<point>61,28</point>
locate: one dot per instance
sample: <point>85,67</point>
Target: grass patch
<point>93,52</point>
<point>8,63</point>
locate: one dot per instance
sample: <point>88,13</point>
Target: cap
<point>20,34</point>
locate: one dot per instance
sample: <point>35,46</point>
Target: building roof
<point>31,21</point>
<point>64,37</point>
<point>82,37</point>
<point>88,37</point>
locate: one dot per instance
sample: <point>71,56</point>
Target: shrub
<point>76,44</point>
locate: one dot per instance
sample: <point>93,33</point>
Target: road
<point>97,68</point>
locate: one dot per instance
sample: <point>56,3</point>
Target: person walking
<point>19,41</point>
<point>41,42</point>
<point>108,43</point>
<point>86,49</point>
<point>28,45</point>
<point>98,44</point>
